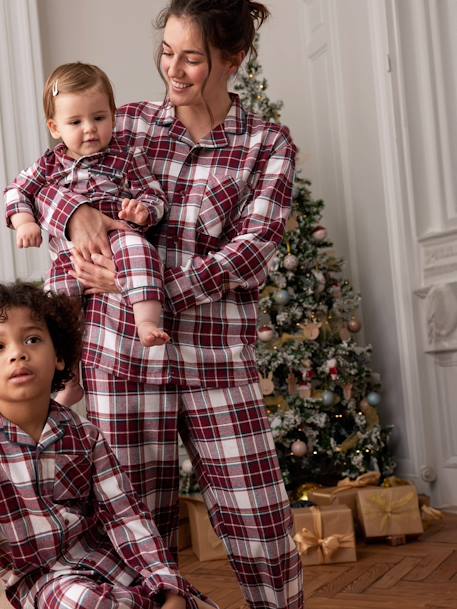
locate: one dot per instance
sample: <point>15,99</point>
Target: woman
<point>228,177</point>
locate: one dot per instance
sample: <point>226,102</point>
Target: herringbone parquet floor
<point>417,575</point>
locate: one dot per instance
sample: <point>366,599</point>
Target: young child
<point>98,169</point>
<point>72,531</point>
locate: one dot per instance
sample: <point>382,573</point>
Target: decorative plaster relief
<point>439,257</point>
<point>441,317</point>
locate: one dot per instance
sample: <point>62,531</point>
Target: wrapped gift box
<point>205,543</point>
<point>391,511</point>
<point>345,493</point>
<point>324,534</point>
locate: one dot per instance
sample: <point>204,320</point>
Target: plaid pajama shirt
<point>229,198</point>
<point>102,180</point>
<point>69,520</point>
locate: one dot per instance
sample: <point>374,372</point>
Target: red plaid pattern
<point>227,434</point>
<point>101,180</point>
<point>229,198</point>
<point>67,508</point>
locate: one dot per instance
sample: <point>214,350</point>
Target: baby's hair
<point>75,78</point>
<point>60,313</point>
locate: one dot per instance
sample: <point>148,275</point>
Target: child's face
<point>28,360</point>
<point>83,120</point>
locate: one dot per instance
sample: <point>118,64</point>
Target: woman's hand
<point>88,230</point>
<point>97,276</point>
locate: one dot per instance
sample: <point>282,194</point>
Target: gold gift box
<point>345,493</point>
<point>324,534</point>
<point>205,543</point>
<point>389,511</point>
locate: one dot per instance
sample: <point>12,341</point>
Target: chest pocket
<point>220,203</point>
<point>73,475</point>
<point>106,180</point>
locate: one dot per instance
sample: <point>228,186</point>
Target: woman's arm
<point>242,262</point>
<point>65,214</point>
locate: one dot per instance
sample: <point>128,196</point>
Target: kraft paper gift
<point>345,492</point>
<point>389,511</point>
<point>324,534</point>
<point>205,543</point>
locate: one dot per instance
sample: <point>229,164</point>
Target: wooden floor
<point>418,575</point>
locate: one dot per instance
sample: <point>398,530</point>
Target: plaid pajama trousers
<point>227,435</point>
<point>86,590</point>
<point>139,269</point>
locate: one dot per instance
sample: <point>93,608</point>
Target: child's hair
<point>59,312</point>
<point>75,78</point>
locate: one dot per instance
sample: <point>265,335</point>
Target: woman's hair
<point>227,25</point>
<point>75,78</point>
<point>60,313</point>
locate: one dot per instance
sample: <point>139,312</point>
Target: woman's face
<point>184,64</point>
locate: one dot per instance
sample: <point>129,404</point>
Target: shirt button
<point>66,521</point>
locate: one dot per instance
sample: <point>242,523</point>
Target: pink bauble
<point>290,262</point>
<point>299,448</point>
<point>354,325</point>
<point>265,333</point>
<point>319,233</point>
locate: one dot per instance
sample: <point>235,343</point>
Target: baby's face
<point>83,120</point>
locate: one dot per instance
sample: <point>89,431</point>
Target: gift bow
<point>368,479</point>
<point>430,513</point>
<point>306,540</point>
<point>383,501</point>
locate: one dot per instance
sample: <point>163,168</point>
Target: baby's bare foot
<point>150,335</point>
<point>70,394</point>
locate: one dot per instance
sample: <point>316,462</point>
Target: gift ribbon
<point>306,540</point>
<point>383,501</point>
<point>430,513</point>
<point>368,479</point>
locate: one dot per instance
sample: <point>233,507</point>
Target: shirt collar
<point>53,430</point>
<point>234,123</point>
<point>116,146</point>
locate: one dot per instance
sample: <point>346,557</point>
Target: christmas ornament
<point>292,385</point>
<point>373,398</point>
<point>354,325</point>
<point>266,384</point>
<point>290,262</point>
<point>292,223</point>
<point>328,397</point>
<point>304,390</point>
<point>281,297</point>
<point>319,233</point>
<point>187,467</point>
<point>310,331</point>
<point>345,335</point>
<point>299,448</point>
<point>265,333</point>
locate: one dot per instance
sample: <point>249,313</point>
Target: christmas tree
<point>319,389</point>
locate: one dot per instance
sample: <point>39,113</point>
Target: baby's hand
<point>134,211</point>
<point>28,235</point>
<point>174,601</point>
